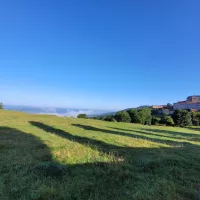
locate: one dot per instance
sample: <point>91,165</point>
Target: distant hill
<point>56,111</point>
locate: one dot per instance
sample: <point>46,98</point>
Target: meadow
<point>48,157</point>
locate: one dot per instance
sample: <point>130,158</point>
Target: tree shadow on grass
<point>188,136</point>
<point>194,128</point>
<point>28,170</point>
<point>143,132</point>
<point>135,134</point>
<point>171,134</point>
<point>20,155</point>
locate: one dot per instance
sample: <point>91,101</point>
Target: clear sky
<point>101,54</point>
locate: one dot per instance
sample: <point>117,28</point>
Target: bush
<point>84,116</point>
<point>196,118</point>
<point>195,122</point>
<point>155,120</point>
<point>100,117</point>
<point>170,106</point>
<point>134,114</point>
<point>110,118</point>
<point>182,118</point>
<point>122,116</point>
<point>141,116</point>
<point>167,120</point>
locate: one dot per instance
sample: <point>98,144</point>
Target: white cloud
<point>72,113</point>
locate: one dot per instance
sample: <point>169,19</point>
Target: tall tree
<point>170,106</point>
<point>141,116</point>
<point>182,118</point>
<point>122,116</point>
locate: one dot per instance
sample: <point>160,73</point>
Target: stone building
<point>192,103</point>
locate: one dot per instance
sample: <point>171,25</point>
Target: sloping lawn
<point>49,157</point>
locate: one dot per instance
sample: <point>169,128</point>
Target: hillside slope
<point>49,157</point>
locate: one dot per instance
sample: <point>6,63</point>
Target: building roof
<point>157,106</point>
<point>181,102</point>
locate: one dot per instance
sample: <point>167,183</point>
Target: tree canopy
<point>122,116</point>
<point>182,118</point>
<point>82,116</point>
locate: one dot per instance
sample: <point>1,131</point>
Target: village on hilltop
<point>192,103</point>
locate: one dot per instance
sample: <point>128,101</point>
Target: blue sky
<point>99,54</point>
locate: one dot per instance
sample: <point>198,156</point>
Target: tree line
<point>148,116</point>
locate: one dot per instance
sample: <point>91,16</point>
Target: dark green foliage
<point>195,122</point>
<point>182,118</point>
<point>187,119</point>
<point>146,113</point>
<point>167,120</point>
<point>141,116</point>
<point>157,112</point>
<point>100,118</point>
<point>122,116</point>
<point>1,106</point>
<point>134,114</point>
<point>110,118</point>
<point>196,118</point>
<point>170,106</point>
<point>84,116</point>
<point>155,120</point>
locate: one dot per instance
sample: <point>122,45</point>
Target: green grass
<point>48,157</point>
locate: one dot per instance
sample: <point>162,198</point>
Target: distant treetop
<point>82,116</point>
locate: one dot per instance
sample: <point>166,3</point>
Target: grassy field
<point>48,157</point>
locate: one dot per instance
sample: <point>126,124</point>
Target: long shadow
<point>194,128</point>
<point>175,135</point>
<point>188,136</point>
<point>26,164</point>
<point>105,147</point>
<point>20,157</point>
<point>144,136</point>
<point>11,138</point>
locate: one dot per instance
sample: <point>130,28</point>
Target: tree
<point>155,120</point>
<point>170,106</point>
<point>84,116</point>
<point>145,116</point>
<point>167,120</point>
<point>182,118</point>
<point>110,118</point>
<point>134,115</point>
<point>156,111</point>
<point>122,116</point>
<point>196,118</point>
<point>101,117</point>
<point>187,119</point>
<point>141,116</point>
<point>1,106</point>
